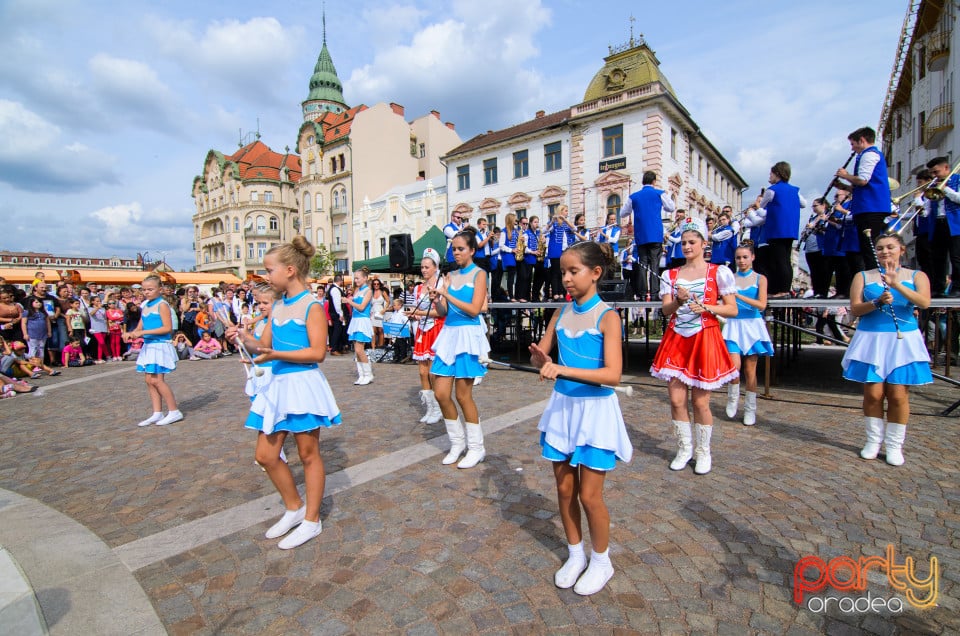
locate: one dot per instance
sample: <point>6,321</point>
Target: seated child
<point>73,355</point>
<point>208,348</point>
<point>15,364</point>
<point>134,351</point>
<point>183,346</point>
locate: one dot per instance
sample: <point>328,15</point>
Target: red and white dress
<point>692,349</point>
<point>426,328</point>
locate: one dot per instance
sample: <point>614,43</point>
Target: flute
<point>626,390</point>
<point>250,367</point>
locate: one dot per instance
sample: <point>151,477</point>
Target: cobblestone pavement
<point>423,548</point>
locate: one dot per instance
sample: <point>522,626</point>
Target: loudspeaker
<point>612,290</point>
<point>401,253</point>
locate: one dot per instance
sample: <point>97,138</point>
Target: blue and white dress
<point>361,327</point>
<point>158,355</point>
<point>462,342</point>
<point>746,333</point>
<point>298,398</point>
<point>582,424</point>
<point>875,353</point>
<point>256,384</point>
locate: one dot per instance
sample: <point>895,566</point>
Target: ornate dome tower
<point>326,91</point>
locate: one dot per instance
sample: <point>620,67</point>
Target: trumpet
<point>923,186</point>
<point>935,193</point>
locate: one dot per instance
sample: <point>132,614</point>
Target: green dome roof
<point>325,86</point>
<point>630,66</point>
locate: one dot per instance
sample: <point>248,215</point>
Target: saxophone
<point>520,250</point>
<point>542,248</point>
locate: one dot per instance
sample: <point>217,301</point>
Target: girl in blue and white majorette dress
<point>158,356</point>
<point>298,399</point>
<point>266,297</point>
<point>360,331</point>
<point>582,430</point>
<point>884,299</point>
<point>459,349</point>
<point>746,333</point>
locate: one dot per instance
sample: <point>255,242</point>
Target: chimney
<point>396,108</point>
<point>540,114</point>
<point>435,113</point>
<point>450,125</point>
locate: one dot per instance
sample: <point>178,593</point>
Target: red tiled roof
<point>257,161</point>
<point>337,125</point>
<point>525,128</point>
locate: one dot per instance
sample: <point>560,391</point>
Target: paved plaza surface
<point>126,530</point>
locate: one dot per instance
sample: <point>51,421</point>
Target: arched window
<point>319,202</point>
<point>613,204</point>
<point>261,224</point>
<point>336,199</point>
<point>307,200</point>
<point>236,252</point>
<point>236,224</point>
<point>320,237</point>
<point>274,223</point>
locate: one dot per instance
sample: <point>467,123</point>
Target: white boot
<point>874,437</point>
<point>359,379</point>
<point>366,374</point>
<point>475,450</point>
<point>750,409</point>
<point>458,441</point>
<point>893,443</point>
<point>427,405</point>
<point>733,399</point>
<point>434,414</point>
<point>704,461</point>
<point>684,445</point>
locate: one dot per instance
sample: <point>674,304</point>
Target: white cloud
<point>134,91</point>
<point>126,226</point>
<point>35,157</point>
<point>474,65</point>
<point>388,25</point>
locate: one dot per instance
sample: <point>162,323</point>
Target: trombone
<point>923,186</point>
<point>935,193</point>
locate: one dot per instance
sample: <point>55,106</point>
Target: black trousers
<point>537,292</point>
<point>338,334</point>
<point>819,273</point>
<point>838,268</point>
<point>779,270</point>
<point>556,278</point>
<point>524,280</point>
<point>934,257</point>
<point>643,281</point>
<point>874,222</point>
<point>511,271</point>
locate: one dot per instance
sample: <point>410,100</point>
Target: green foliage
<point>322,262</point>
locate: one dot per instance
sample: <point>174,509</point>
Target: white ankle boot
<point>874,437</point>
<point>684,445</point>
<point>426,404</point>
<point>475,450</point>
<point>750,409</point>
<point>893,443</point>
<point>458,442</point>
<point>704,461</point>
<point>359,379</point>
<point>733,399</point>
<point>366,374</point>
<point>434,414</point>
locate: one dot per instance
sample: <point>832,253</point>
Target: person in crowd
<point>183,346</point>
<point>484,245</point>
<point>428,326</point>
<point>37,325</point>
<point>647,207</point>
<point>782,202</point>
<point>692,356</point>
<point>115,327</point>
<point>945,231</point>
<point>610,234</point>
<point>887,352</point>
<point>459,349</point>
<point>98,328</point>
<point>379,302</point>
<point>508,249</point>
<point>746,334</point>
<point>812,248</point>
<point>334,295</point>
<point>208,348</point>
<point>582,429</point>
<point>11,314</point>
<point>189,307</point>
<point>496,265</point>
<point>559,234</point>
<point>298,399</point>
<point>360,331</point>
<point>16,364</point>
<point>724,241</point>
<point>157,356</point>
<point>73,355</point>
<point>672,241</point>
<point>871,190</point>
<point>78,330</point>
<point>849,241</point>
<point>450,230</point>
<point>527,264</point>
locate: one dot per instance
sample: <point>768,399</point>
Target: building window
<point>690,163</point>
<point>613,204</point>
<point>463,177</point>
<point>520,164</point>
<point>423,150</point>
<point>383,246</point>
<point>274,224</point>
<point>552,210</point>
<point>899,125</point>
<point>320,237</point>
<point>306,202</point>
<point>236,253</point>
<point>333,165</point>
<point>899,173</point>
<point>236,224</point>
<point>268,197</point>
<point>921,63</point>
<point>319,202</point>
<point>552,159</point>
<point>613,141</point>
<point>673,144</point>
<point>923,122</point>
<point>250,252</point>
<point>310,140</point>
<point>254,196</point>
<point>261,250</point>
<point>700,166</point>
<point>261,224</point>
<point>521,213</point>
<point>492,221</point>
<point>366,249</point>
<point>343,162</point>
<point>489,171</point>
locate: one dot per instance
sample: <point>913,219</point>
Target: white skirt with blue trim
<point>459,350</point>
<point>157,357</point>
<point>879,356</point>
<point>360,329</point>
<point>294,402</point>
<point>569,423</point>
<point>747,337</point>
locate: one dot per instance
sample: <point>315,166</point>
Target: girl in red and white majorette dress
<point>692,355</point>
<point>428,326</point>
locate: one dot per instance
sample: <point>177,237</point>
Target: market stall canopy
<point>203,278</point>
<point>432,238</point>
<point>20,275</point>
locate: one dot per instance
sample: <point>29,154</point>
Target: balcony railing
<point>251,233</point>
<point>339,210</point>
<point>339,247</point>
<point>938,50</point>
<point>939,123</point>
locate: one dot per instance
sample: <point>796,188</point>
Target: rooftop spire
<point>326,91</point>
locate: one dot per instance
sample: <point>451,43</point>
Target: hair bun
<point>302,245</point>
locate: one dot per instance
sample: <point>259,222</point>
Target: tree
<point>322,262</point>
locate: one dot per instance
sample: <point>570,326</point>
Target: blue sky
<point>108,109</point>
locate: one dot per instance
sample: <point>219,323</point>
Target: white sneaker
<point>170,418</point>
<point>593,579</point>
<point>153,419</point>
<point>567,575</point>
<point>287,522</point>
<point>304,532</point>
